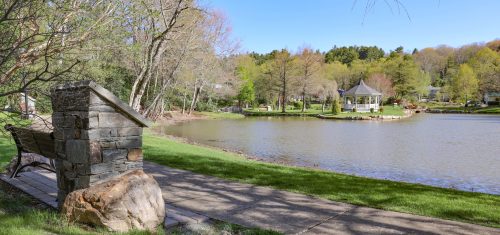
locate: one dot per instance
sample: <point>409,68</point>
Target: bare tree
<point>280,69</point>
<point>309,64</point>
<point>154,24</point>
<point>42,41</point>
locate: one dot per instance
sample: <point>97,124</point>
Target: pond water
<point>445,150</point>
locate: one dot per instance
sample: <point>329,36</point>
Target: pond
<point>444,150</point>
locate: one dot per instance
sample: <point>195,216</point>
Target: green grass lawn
<point>7,145</point>
<point>492,109</point>
<point>388,110</point>
<point>222,115</point>
<point>289,112</point>
<point>485,110</point>
<point>417,199</point>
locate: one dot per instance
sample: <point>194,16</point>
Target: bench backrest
<point>33,141</point>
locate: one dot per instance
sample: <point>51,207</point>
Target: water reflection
<point>446,150</point>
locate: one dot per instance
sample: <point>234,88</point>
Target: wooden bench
<point>32,141</point>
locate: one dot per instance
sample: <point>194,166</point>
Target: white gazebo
<point>362,97</point>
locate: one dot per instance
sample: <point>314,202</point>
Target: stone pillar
<point>97,136</point>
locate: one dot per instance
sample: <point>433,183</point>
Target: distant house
<point>30,106</point>
<point>436,93</point>
<point>492,98</point>
<point>433,92</point>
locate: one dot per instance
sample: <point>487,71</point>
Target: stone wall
<point>95,137</point>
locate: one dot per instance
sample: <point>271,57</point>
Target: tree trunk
<point>303,100</point>
<point>184,103</point>
<point>279,102</point>
<point>283,107</point>
<point>196,93</point>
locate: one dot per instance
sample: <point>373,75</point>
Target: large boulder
<point>129,201</point>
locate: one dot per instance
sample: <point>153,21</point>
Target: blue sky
<point>264,25</point>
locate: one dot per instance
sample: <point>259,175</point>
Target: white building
<point>362,97</point>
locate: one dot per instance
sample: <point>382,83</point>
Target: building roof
<point>111,98</point>
<point>362,89</point>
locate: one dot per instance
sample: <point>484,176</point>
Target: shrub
<point>335,107</point>
<point>354,110</point>
<point>297,105</point>
<point>372,110</point>
<point>381,109</point>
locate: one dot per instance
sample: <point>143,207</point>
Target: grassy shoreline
<point>382,194</point>
<point>389,111</point>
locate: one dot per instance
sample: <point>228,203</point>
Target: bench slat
<point>36,141</point>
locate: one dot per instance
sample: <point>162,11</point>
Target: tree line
<point>464,73</point>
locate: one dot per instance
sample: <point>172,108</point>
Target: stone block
<point>134,165</point>
<point>58,133</point>
<point>95,152</point>
<point>107,144</point>
<point>59,146</point>
<point>91,134</point>
<point>102,108</point>
<point>96,169</point>
<point>78,151</point>
<point>115,120</point>
<point>67,166</point>
<point>101,177</point>
<point>129,143</point>
<point>69,121</point>
<point>130,131</point>
<point>70,174</point>
<point>82,169</point>
<point>61,183</point>
<point>119,166</point>
<point>82,182</point>
<point>107,132</point>
<point>95,99</point>
<point>110,155</point>
<point>57,119</point>
<point>134,154</point>
<point>90,123</point>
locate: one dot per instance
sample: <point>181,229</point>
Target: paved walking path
<point>194,198</point>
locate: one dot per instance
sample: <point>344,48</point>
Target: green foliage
<point>247,93</point>
<point>381,109</point>
<point>297,104</point>
<point>465,84</point>
<point>486,65</point>
<point>404,74</point>
<point>206,106</point>
<point>348,54</point>
<point>335,107</point>
<point>343,54</point>
<point>247,71</point>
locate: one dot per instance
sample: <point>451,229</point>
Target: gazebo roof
<point>362,89</point>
